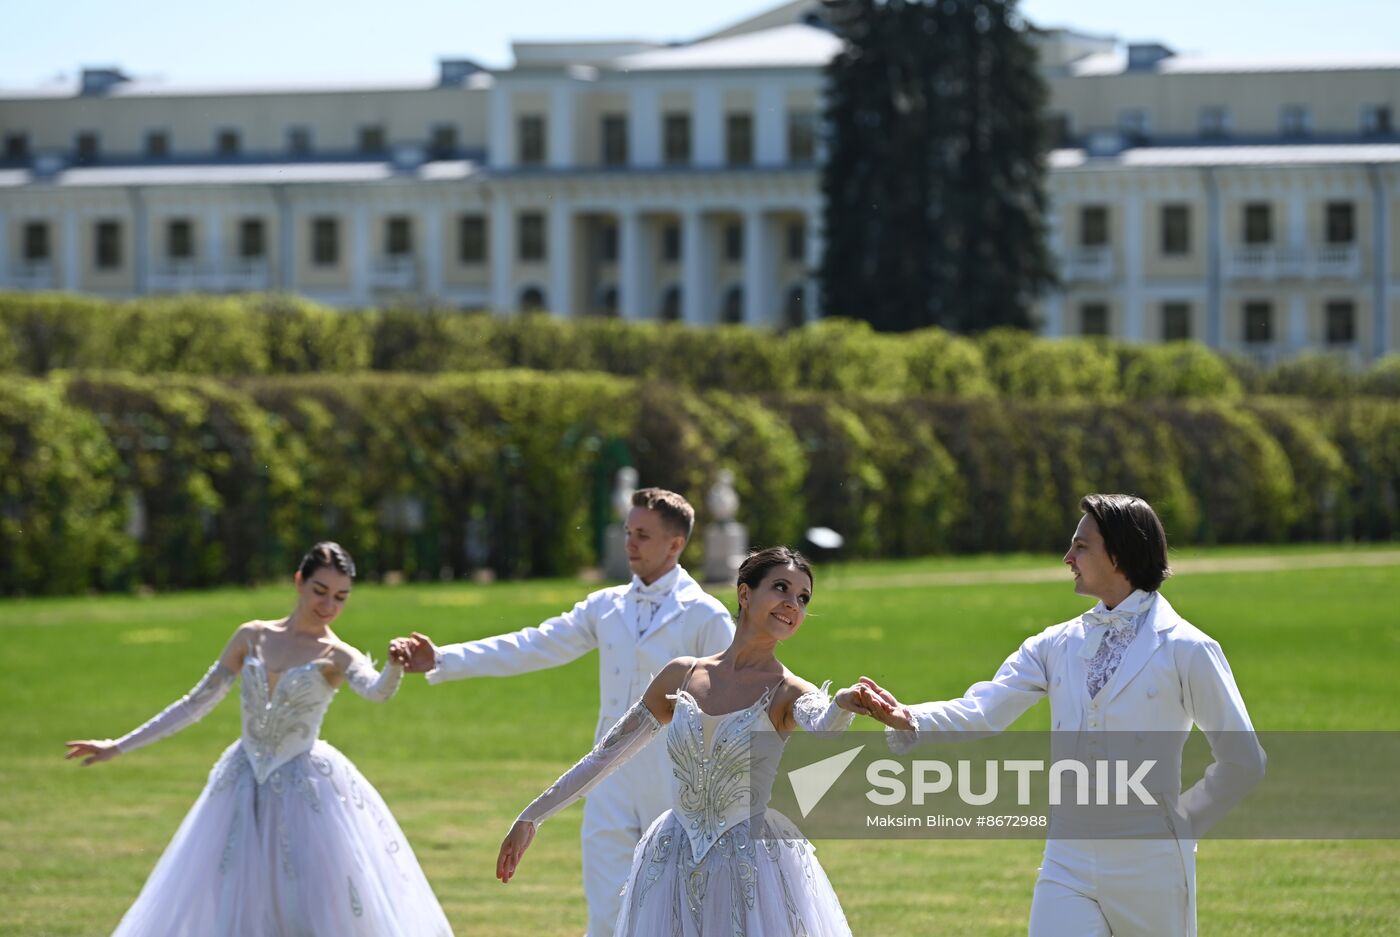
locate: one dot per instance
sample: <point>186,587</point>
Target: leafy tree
<point>935,178</point>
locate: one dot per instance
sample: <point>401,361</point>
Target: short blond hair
<point>676,512</point>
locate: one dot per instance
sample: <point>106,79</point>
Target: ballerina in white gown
<point>719,862</point>
<point>287,839</point>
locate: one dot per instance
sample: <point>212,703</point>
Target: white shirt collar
<point>661,587</point>
<point>1136,603</point>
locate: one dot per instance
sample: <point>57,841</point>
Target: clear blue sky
<point>275,40</point>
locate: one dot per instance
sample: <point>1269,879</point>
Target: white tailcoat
<point>1172,676</point>
<point>689,623</point>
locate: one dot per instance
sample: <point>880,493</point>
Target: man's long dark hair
<point>1133,536</point>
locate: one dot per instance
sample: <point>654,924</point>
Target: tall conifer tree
<point>934,181</point>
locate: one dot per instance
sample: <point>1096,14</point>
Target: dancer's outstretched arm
<point>185,711</point>
<point>629,735</point>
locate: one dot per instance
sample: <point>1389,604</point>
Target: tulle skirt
<point>763,883</point>
<point>310,852</point>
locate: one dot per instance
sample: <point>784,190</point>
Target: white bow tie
<point>1097,625</point>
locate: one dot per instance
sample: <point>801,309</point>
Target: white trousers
<point>615,815</point>
<point>1115,888</point>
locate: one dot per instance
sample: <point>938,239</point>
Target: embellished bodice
<point>283,721</point>
<point>722,767</point>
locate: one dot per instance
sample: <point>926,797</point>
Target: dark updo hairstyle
<point>326,555</point>
<point>758,564</point>
<point>1133,537</point>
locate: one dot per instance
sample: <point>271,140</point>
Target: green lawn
<point>1311,648</point>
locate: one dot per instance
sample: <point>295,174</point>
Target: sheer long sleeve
<point>185,711</point>
<point>816,711</point>
<point>630,735</point>
<point>374,685</point>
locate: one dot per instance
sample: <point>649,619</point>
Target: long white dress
<point>719,862</point>
<point>287,839</point>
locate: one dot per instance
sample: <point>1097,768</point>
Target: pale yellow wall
<point>454,272</point>
<point>1159,266</point>
<point>1234,209</point>
<point>1153,319</point>
<point>263,119</point>
<point>588,124</point>
<point>310,275</point>
<point>1077,296</point>
<point>92,279</point>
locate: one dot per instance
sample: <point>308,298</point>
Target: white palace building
<point>1253,206</point>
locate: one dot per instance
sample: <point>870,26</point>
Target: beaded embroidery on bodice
<point>719,780</point>
<point>283,721</point>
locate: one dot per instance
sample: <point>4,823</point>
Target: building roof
<point>1299,154</point>
<point>249,174</point>
<point>156,88</point>
<point>796,45</point>
<point>1116,63</point>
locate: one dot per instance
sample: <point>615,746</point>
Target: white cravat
<point>1107,634</point>
<point>649,598</point>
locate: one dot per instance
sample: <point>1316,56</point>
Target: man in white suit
<point>1129,666</point>
<point>637,629</point>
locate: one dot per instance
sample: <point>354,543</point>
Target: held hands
<point>877,703</point>
<point>93,751</point>
<point>513,848</point>
<point>417,654</point>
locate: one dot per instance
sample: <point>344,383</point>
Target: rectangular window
<point>1258,322</point>
<point>1375,120</point>
<point>1341,322</point>
<point>614,132</point>
<point>88,147</point>
<point>398,236</point>
<point>1341,223</point>
<point>36,242</point>
<point>531,142</point>
<point>252,239</point>
<point>1214,122</point>
<point>532,236</point>
<point>738,139</point>
<point>1093,226</point>
<point>733,241</point>
<point>671,243</point>
<point>1176,230</point>
<point>1258,223</point>
<point>471,239</point>
<point>797,240</point>
<point>227,143</point>
<point>107,243</point>
<point>157,144</point>
<point>1176,322</point>
<point>1294,120</point>
<point>1134,125</point>
<point>299,141</point>
<point>1060,130</point>
<point>372,140</point>
<point>325,241</point>
<point>179,239</point>
<point>16,147</point>
<point>676,139</point>
<point>607,243</point>
<point>802,137</point>
<point>442,143</point>
<point>1093,319</point>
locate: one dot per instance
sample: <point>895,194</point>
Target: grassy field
<point>1312,648</point>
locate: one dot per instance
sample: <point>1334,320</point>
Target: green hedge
<point>112,480</point>
<point>271,334</point>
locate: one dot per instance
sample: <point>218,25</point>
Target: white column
<point>561,259</point>
<point>1297,322</point>
<point>7,263</point>
<point>707,125</point>
<point>502,248</point>
<point>635,301</point>
<point>1133,247</point>
<point>72,252</point>
<point>1298,219</point>
<point>816,239</point>
<point>1055,299</point>
<point>770,124</point>
<point>433,251</point>
<point>501,143</point>
<point>644,127</point>
<point>560,131</point>
<point>695,267</point>
<point>360,255</point>
<point>758,269</point>
<point>213,260</point>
